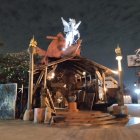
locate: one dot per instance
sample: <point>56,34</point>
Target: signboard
<point>133,60</point>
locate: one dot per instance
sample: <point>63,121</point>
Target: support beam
<point>104,86</point>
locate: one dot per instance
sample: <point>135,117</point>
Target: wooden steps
<point>88,118</point>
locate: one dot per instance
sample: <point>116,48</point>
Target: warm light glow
<point>115,72</point>
<point>65,86</point>
<point>84,73</point>
<point>127,99</point>
<point>119,58</point>
<point>105,89</point>
<point>119,64</point>
<point>51,76</point>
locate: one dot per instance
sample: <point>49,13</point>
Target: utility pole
<point>120,110</point>
<point>29,112</point>
<point>120,92</point>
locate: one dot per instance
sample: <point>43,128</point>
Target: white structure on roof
<point>70,29</point>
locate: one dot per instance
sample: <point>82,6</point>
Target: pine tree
<point>14,68</point>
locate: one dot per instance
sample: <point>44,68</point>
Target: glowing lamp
<point>84,73</point>
<point>137,91</point>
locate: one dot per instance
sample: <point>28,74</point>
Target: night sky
<point>105,23</point>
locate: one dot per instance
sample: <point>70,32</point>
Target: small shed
<point>75,76</point>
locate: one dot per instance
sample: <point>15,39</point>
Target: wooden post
<point>29,112</point>
<point>104,87</point>
<point>30,86</point>
<point>45,77</point>
<point>96,88</point>
<point>44,99</point>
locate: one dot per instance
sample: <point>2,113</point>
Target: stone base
<point>42,115</point>
<point>48,115</point>
<point>28,115</point>
<point>120,111</point>
<point>72,106</point>
<point>39,115</point>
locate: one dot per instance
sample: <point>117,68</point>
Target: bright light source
<point>105,89</point>
<point>51,76</point>
<point>135,84</point>
<point>119,64</point>
<point>70,28</point>
<point>118,58</point>
<point>84,73</point>
<point>65,86</point>
<point>137,91</point>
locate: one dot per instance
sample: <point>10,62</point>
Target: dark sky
<point>105,23</point>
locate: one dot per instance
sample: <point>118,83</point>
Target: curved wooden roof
<point>82,64</point>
